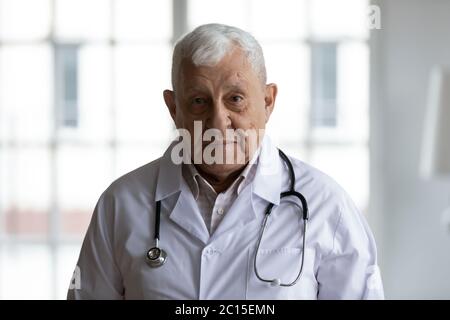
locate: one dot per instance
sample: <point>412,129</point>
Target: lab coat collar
<point>180,205</point>
<point>266,184</point>
<point>169,176</point>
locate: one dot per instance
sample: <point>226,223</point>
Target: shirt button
<point>220,211</point>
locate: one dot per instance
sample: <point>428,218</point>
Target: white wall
<point>406,211</point>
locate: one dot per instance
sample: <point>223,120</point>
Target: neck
<point>220,182</point>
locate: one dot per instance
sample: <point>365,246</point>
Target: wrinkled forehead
<point>233,70</point>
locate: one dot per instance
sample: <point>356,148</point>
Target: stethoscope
<point>156,257</point>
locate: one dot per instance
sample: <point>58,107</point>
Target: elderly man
<point>224,214</point>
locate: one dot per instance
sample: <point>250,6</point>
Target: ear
<point>169,99</point>
<point>271,91</point>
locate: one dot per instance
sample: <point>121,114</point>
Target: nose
<point>219,118</point>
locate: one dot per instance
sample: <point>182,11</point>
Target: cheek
<point>248,123</point>
<point>185,119</point>
<point>252,117</point>
<point>257,117</point>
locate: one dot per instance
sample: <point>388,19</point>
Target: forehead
<point>232,70</point>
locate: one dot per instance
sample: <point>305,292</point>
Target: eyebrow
<point>194,89</point>
<point>237,86</point>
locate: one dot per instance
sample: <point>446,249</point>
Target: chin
<point>220,169</point>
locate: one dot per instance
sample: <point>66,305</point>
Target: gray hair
<point>207,44</point>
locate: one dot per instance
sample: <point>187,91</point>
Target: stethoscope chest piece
<point>156,257</point>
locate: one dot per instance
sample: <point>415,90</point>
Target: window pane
<point>95,94</point>
<point>142,73</point>
<point>24,19</point>
<point>66,71</point>
<point>26,93</point>
<point>27,181</point>
<point>82,19</point>
<point>288,66</point>
<point>75,222</point>
<point>323,84</point>
<point>353,90</point>
<point>25,221</point>
<point>25,272</point>
<point>287,19</point>
<point>143,20</point>
<point>83,174</point>
<point>232,12</point>
<point>130,157</point>
<point>344,18</point>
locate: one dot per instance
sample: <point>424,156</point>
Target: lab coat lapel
<point>169,175</point>
<point>266,186</point>
<point>187,215</point>
<point>267,182</point>
<point>184,212</point>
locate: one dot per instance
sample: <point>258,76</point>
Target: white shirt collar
<point>194,178</point>
<point>266,183</point>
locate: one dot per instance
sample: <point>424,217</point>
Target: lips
<point>218,143</point>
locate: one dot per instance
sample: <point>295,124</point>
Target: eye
<point>198,101</point>
<point>237,99</point>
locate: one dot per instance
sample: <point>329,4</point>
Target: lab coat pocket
<point>283,264</point>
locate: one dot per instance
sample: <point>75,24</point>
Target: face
<point>227,96</point>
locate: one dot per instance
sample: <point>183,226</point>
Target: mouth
<point>219,143</point>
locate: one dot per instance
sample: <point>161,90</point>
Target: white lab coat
<point>340,256</point>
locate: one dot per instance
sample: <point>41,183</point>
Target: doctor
<point>205,219</point>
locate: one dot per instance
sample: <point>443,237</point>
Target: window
<point>81,104</point>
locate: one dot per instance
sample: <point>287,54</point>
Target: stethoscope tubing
<point>305,216</point>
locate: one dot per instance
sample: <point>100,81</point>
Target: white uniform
<point>340,256</point>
